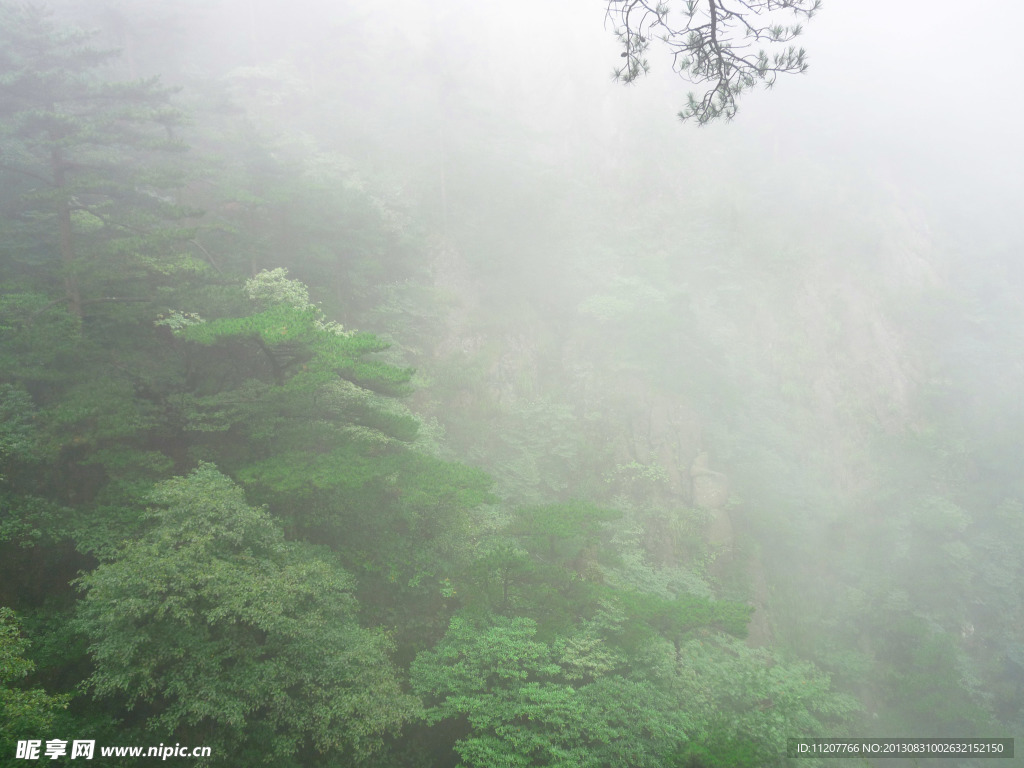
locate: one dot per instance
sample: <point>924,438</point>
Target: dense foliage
<point>228,519</point>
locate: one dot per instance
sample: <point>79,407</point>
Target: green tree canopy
<point>215,628</point>
<point>527,703</point>
<point>24,713</point>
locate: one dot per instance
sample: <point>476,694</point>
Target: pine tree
<point>84,166</point>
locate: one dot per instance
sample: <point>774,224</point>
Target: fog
<point>913,89</point>
<point>389,385</point>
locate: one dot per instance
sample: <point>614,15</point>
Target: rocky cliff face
<point>733,376</point>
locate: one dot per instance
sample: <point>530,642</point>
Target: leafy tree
<point>17,433</point>
<point>583,699</point>
<point>84,404</point>
<point>215,628</point>
<point>24,713</point>
<point>547,563</point>
<point>712,45</point>
<point>747,702</point>
<point>678,619</point>
<point>528,703</point>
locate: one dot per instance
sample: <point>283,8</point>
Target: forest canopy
<point>355,410</point>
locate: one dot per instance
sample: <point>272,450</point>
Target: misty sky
<point>925,92</point>
<point>929,87</point>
